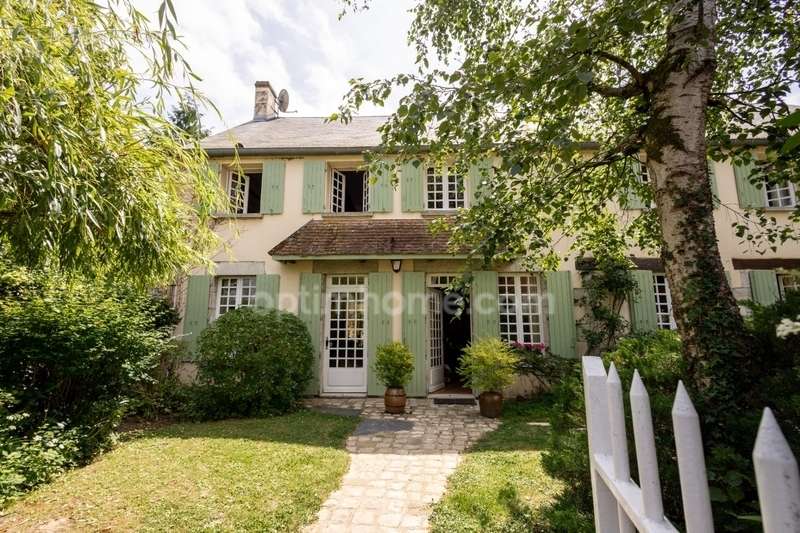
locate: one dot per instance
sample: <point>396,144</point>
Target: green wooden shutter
<point>313,186</point>
<point>750,195</point>
<point>712,176</point>
<point>634,201</point>
<point>273,174</point>
<point>643,302</point>
<point>380,192</point>
<point>267,290</point>
<point>379,324</point>
<point>310,313</point>
<point>415,330</point>
<point>411,187</point>
<point>483,305</point>
<point>764,287</point>
<point>195,317</point>
<point>474,179</point>
<point>561,314</point>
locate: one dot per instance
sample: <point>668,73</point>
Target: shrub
<point>488,365</point>
<point>27,461</point>
<point>162,394</point>
<point>537,361</point>
<point>252,364</point>
<point>394,364</point>
<point>69,351</point>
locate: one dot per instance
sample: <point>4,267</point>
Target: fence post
<point>646,450</point>
<point>619,440</point>
<point>606,519</point>
<point>691,464</point>
<point>777,478</point>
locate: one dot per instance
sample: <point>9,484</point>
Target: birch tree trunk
<point>708,318</point>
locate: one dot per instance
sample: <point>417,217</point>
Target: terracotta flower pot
<point>394,400</point>
<point>491,404</point>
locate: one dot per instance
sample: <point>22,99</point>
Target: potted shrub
<point>394,364</point>
<point>488,366</point>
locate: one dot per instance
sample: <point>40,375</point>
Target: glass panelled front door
<point>345,335</point>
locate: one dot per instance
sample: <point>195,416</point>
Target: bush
<point>33,459</point>
<point>537,361</point>
<point>252,364</point>
<point>69,351</point>
<point>488,365</point>
<point>162,394</point>
<point>394,364</point>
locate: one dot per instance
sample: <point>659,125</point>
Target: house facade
<point>311,234</point>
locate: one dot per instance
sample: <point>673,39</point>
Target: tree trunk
<point>715,342</point>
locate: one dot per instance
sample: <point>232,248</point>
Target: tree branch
<point>626,91</point>
<point>634,88</point>
<point>637,76</point>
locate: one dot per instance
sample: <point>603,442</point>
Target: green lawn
<point>235,475</point>
<point>500,484</point>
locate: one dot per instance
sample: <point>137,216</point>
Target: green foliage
<point>93,178</point>
<point>70,349</point>
<point>162,394</point>
<point>537,361</point>
<point>187,117</point>
<point>488,365</point>
<point>394,364</point>
<point>34,458</point>
<point>251,363</point>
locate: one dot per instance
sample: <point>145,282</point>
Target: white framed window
<point>520,306</point>
<point>444,191</point>
<point>235,292</point>
<point>664,318</point>
<point>788,283</point>
<point>440,281</point>
<point>780,194</point>
<point>644,174</point>
<point>244,192</point>
<point>349,190</point>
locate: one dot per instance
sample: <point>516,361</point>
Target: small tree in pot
<point>394,364</point>
<point>488,366</point>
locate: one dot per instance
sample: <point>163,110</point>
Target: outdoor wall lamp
<point>396,264</point>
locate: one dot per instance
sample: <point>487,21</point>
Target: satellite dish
<point>283,100</point>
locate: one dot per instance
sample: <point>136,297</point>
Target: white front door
<point>435,345</point>
<point>345,336</point>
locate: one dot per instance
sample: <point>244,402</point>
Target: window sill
<point>366,214</point>
<point>779,209</point>
<point>439,213</point>
<point>242,215</point>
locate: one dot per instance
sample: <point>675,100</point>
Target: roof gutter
<point>358,257</point>
<point>358,150</point>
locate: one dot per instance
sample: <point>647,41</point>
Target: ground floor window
<point>664,318</point>
<point>519,299</point>
<point>788,283</point>
<point>235,292</point>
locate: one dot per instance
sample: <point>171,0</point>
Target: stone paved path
<point>399,464</point>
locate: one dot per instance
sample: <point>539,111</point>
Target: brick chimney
<point>266,106</point>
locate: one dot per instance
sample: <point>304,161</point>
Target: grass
<point>234,475</point>
<point>500,485</point>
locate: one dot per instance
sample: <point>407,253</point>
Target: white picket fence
<point>620,505</point>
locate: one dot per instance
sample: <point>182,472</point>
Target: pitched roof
<point>381,237</point>
<point>287,135</point>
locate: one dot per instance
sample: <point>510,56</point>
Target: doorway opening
<point>449,333</point>
<point>456,333</point>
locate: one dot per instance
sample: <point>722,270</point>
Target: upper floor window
<point>444,190</point>
<point>780,194</point>
<point>788,283</point>
<point>244,192</point>
<point>235,292</point>
<point>644,174</point>
<point>349,191</point>
<point>664,318</point>
<point>519,300</point>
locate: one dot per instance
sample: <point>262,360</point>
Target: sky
<point>297,45</point>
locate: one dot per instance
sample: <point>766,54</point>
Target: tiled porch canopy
<point>371,238</point>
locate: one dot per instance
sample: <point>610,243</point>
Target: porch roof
<point>364,239</point>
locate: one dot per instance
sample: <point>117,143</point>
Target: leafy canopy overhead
<point>562,92</point>
<point>93,178</point>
